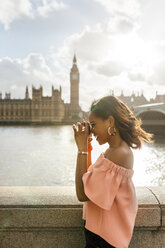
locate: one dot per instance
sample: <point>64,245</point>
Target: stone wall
<point>51,217</point>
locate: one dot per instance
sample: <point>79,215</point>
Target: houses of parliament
<point>52,109</point>
<point>43,109</point>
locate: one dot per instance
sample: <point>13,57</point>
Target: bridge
<point>152,116</point>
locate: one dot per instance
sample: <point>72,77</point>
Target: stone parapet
<point>51,216</point>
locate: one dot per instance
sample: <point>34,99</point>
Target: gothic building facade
<point>137,99</point>
<point>43,109</point>
<point>132,100</point>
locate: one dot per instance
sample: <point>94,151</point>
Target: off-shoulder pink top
<point>112,208</point>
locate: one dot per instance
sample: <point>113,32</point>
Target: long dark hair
<point>128,125</point>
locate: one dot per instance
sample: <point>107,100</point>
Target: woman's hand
<point>81,135</point>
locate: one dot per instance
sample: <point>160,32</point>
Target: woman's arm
<point>80,170</point>
<point>81,138</point>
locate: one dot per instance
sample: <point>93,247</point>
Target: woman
<point>106,187</point>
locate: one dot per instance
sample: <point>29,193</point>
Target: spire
<point>60,89</point>
<point>26,89</point>
<point>74,66</point>
<point>27,93</point>
<point>74,59</point>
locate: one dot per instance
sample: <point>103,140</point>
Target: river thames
<point>46,156</point>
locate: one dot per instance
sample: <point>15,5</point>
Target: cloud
<point>104,48</point>
<point>130,8</point>
<point>35,65</point>
<point>160,49</point>
<point>108,68</point>
<point>125,25</point>
<point>15,74</point>
<point>111,40</point>
<point>49,6</point>
<point>91,45</point>
<point>137,76</point>
<point>158,75</point>
<point>11,11</point>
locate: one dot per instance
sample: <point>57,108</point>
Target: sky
<point>119,44</point>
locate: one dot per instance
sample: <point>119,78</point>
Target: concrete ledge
<point>51,217</point>
<point>36,123</point>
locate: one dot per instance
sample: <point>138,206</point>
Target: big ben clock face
<point>74,77</point>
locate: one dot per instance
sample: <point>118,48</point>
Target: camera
<point>89,128</point>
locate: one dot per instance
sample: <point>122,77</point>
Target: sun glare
<point>134,51</point>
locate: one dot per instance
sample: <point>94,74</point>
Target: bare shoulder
<point>122,156</point>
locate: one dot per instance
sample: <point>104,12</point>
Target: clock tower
<point>74,88</point>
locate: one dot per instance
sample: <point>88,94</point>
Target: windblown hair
<point>128,125</point>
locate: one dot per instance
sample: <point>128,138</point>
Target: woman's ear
<point>111,120</point>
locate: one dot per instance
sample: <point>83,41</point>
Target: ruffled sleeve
<point>102,181</point>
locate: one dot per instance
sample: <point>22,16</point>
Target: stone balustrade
<point>51,217</point>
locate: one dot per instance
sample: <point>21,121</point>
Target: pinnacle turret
<point>74,59</point>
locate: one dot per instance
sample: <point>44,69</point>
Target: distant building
<point>136,100</point>
<point>158,98</point>
<point>43,109</point>
<point>133,100</point>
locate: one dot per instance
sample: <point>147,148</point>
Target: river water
<point>46,156</point>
